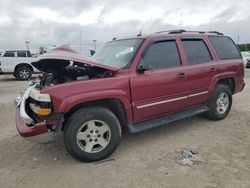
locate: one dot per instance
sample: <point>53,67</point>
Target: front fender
<point>74,100</point>
<point>66,104</point>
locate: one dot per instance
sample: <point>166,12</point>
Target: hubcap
<point>222,103</point>
<point>93,136</point>
<point>24,74</point>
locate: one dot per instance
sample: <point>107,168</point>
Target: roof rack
<point>182,31</point>
<point>172,31</point>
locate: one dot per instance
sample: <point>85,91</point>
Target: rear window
<point>21,54</point>
<point>196,51</point>
<point>9,54</point>
<point>225,47</point>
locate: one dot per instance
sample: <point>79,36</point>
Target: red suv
<point>132,84</point>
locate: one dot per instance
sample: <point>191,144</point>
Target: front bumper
<point>37,133</point>
<point>27,128</point>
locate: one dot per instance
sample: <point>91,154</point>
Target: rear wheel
<point>220,103</point>
<point>23,73</point>
<point>92,134</point>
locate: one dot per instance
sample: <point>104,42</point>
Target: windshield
<point>118,53</point>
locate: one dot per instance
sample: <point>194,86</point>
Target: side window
<point>9,54</point>
<point>225,47</point>
<point>21,54</point>
<point>196,51</point>
<point>162,55</point>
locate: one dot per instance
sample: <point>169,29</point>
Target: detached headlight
<point>40,103</point>
<point>39,110</point>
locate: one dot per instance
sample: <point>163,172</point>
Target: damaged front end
<point>36,119</point>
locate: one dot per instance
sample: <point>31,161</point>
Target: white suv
<point>18,63</point>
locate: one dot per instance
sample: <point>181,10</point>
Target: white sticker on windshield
<point>123,52</point>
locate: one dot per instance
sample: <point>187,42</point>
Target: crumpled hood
<point>61,57</point>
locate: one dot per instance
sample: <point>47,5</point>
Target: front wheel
<point>92,134</point>
<point>220,103</point>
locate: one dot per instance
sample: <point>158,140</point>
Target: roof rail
<point>171,31</point>
<point>182,31</point>
<point>216,32</point>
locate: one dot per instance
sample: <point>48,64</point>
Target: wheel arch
<point>23,65</point>
<point>114,105</point>
<point>228,80</point>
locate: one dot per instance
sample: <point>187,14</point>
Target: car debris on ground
<point>189,157</point>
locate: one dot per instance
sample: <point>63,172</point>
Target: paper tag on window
<point>123,52</point>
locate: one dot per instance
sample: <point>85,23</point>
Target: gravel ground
<point>147,159</point>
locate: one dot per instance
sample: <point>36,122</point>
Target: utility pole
<point>27,44</point>
<point>95,44</point>
<point>238,39</point>
<point>80,41</point>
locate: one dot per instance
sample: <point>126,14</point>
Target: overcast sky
<point>57,22</point>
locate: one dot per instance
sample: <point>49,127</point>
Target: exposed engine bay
<point>63,64</point>
<point>74,71</point>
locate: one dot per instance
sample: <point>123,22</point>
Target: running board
<point>145,125</point>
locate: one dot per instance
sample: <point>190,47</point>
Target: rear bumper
<point>38,133</point>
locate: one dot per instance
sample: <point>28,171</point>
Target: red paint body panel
<point>66,53</point>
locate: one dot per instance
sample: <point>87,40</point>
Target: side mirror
<point>142,68</point>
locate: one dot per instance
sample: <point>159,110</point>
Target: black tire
<point>23,73</point>
<point>83,116</point>
<point>213,105</point>
<point>14,75</point>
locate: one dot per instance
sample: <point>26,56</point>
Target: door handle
<point>182,75</point>
<point>213,69</point>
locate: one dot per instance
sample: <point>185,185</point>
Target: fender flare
<point>218,77</point>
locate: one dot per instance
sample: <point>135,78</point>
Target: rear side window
<point>21,54</point>
<point>162,55</point>
<point>9,54</point>
<point>196,51</point>
<point>225,47</point>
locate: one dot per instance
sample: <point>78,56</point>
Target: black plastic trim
<point>145,125</point>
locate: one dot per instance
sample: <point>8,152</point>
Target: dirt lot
<point>147,159</point>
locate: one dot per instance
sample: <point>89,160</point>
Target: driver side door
<point>160,90</point>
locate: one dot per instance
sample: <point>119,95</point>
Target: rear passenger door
<point>200,70</point>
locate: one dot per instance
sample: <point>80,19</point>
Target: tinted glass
<point>196,51</point>
<point>9,54</point>
<point>162,55</point>
<point>225,47</point>
<point>21,54</point>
